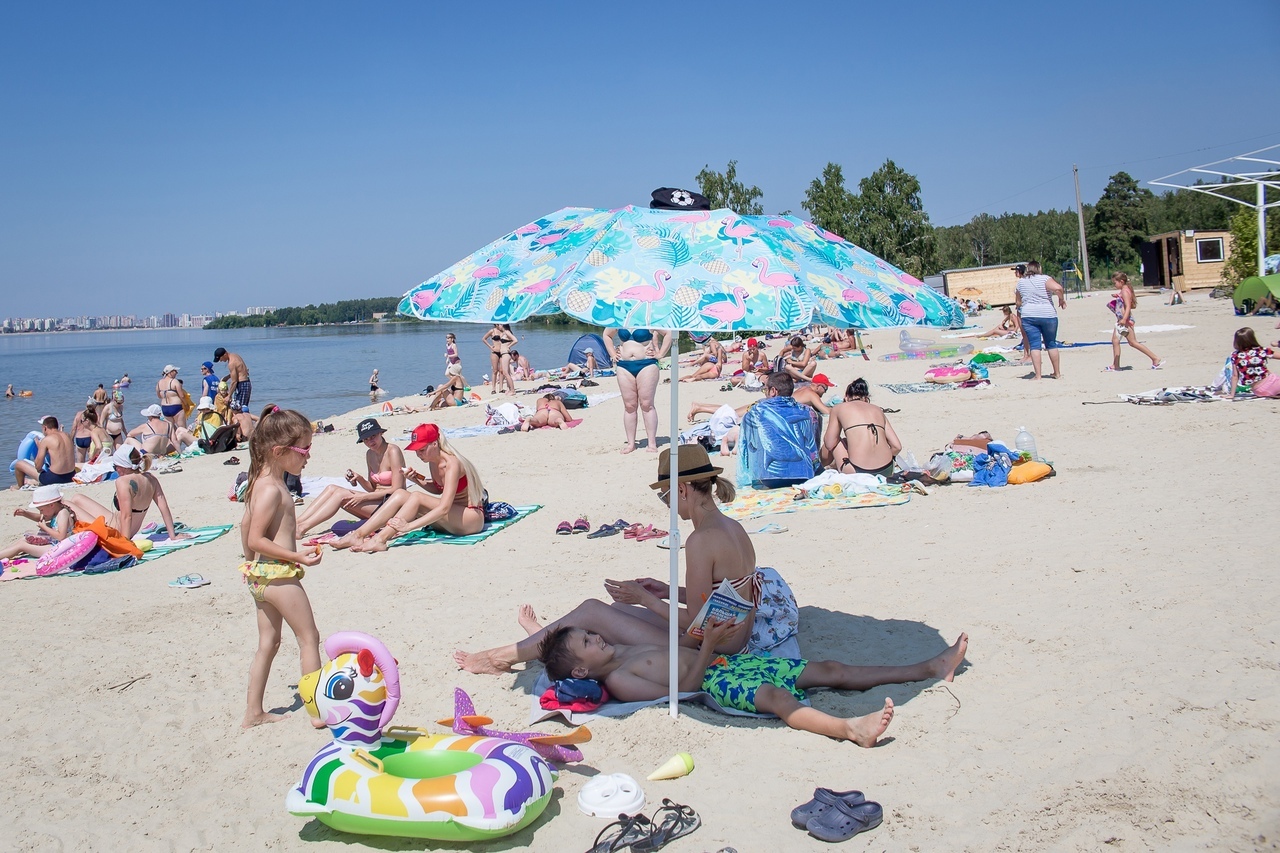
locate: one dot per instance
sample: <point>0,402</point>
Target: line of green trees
<point>346,311</point>
<point>886,216</point>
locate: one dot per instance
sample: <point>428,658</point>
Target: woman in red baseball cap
<point>453,500</point>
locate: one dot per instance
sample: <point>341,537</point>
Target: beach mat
<point>613,708</point>
<point>918,387</point>
<point>417,537</point>
<point>752,503</point>
<point>162,546</point>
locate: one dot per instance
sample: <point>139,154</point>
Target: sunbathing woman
<point>385,462</point>
<point>136,491</point>
<point>551,412</point>
<point>453,502</point>
<point>718,549</point>
<point>859,438</point>
<point>453,392</point>
<point>1008,327</point>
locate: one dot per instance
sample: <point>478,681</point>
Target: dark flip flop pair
<point>609,529</point>
<point>837,815</point>
<point>641,834</point>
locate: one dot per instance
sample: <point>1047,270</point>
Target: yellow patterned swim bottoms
<point>259,574</point>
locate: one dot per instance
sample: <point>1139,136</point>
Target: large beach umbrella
<point>694,271</point>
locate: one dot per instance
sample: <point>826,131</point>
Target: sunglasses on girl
<point>305,451</point>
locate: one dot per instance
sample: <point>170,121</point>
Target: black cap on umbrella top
<point>670,198</point>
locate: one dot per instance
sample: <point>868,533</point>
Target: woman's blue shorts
<point>1041,331</point>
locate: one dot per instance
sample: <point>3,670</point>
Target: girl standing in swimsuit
<point>1122,305</point>
<point>385,462</point>
<point>453,502</point>
<point>273,566</point>
<point>635,354</point>
<point>114,426</point>
<point>495,360</point>
<point>859,438</point>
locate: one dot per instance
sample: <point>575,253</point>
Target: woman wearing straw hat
<point>717,550</point>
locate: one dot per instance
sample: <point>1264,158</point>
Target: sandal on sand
<point>843,821</point>
<point>651,533</point>
<point>564,528</point>
<point>635,530</point>
<point>604,530</point>
<point>582,525</point>
<point>670,822</point>
<point>188,582</point>
<point>232,461</point>
<point>621,834</point>
<point>824,799</point>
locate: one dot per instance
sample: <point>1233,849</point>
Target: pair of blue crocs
<point>837,815</point>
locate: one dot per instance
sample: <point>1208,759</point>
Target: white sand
<point>1120,691</point>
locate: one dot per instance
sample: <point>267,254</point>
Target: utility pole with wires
<point>1084,247</point>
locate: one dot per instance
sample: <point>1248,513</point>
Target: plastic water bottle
<point>1025,443</point>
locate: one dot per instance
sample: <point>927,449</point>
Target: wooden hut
<point>996,284</point>
<point>1185,260</point>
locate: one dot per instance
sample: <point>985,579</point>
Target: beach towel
<point>1177,394</point>
<point>315,485</point>
<point>917,387</point>
<point>466,432</point>
<point>162,546</point>
<point>417,537</point>
<point>752,503</point>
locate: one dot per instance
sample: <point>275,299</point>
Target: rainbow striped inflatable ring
<point>406,782</point>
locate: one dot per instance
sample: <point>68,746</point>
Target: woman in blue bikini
<point>636,353</point>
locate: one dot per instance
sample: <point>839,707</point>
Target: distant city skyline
<point>158,156</point>
<point>79,322</point>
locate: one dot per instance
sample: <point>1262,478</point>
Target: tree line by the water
<point>885,216</point>
<point>346,311</point>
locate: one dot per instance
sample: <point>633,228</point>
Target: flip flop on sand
<point>635,530</point>
<point>620,834</point>
<point>651,533</point>
<point>582,525</point>
<point>188,582</point>
<point>670,822</point>
<point>564,528</point>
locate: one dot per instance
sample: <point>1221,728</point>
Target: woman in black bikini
<point>859,437</point>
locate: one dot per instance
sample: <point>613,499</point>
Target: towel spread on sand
<point>918,387</point>
<point>751,503</point>
<point>342,528</point>
<point>161,544</point>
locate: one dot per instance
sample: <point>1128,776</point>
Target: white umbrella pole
<point>673,526</point>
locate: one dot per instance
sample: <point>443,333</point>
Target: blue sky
<point>209,156</point>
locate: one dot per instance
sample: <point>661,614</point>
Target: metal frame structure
<point>1233,173</point>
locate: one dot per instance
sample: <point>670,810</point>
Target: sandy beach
<point>1120,690</point>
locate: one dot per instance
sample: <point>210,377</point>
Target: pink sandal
<point>650,533</point>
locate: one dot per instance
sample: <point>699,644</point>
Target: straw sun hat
<point>693,463</point>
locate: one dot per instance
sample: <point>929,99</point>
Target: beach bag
<point>498,511</point>
<point>778,444</point>
<point>572,398</point>
<point>507,414</point>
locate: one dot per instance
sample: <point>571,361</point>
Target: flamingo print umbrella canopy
<point>699,271</point>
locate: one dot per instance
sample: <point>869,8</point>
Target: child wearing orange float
<point>273,567</point>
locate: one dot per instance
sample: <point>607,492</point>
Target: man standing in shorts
<point>57,447</point>
<point>240,388</point>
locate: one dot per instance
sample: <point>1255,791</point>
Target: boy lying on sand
<point>747,682</point>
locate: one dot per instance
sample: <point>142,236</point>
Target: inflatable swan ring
<point>406,782</point>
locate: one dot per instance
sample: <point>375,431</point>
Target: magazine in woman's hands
<point>724,605</point>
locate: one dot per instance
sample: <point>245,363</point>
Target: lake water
<point>319,370</point>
